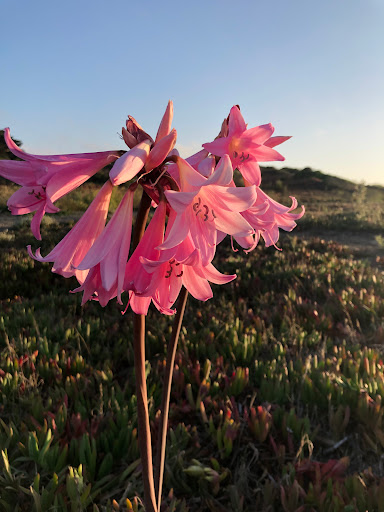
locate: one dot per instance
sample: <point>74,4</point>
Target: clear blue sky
<point>71,71</point>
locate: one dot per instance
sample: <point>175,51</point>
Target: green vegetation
<point>278,394</point>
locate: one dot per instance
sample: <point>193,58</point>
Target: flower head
<point>206,205</point>
<point>47,178</point>
<point>180,266</point>
<point>107,257</point>
<point>246,147</point>
<point>71,250</point>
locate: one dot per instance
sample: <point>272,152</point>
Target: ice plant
<point>196,204</point>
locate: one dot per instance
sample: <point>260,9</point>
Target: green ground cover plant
<point>277,398</point>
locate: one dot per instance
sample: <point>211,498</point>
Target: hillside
<point>309,180</point>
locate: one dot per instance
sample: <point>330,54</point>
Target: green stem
<point>162,434</point>
<point>144,438</point>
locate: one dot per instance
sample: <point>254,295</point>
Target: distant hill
<point>307,179</point>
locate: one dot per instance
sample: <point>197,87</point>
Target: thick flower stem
<point>162,435</point>
<point>142,413</point>
<point>144,437</point>
<point>141,219</point>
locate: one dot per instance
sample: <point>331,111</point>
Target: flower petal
<point>195,159</point>
<point>190,178</point>
<point>127,166</point>
<point>197,286</point>
<point>223,174</point>
<point>251,172</point>
<point>260,134</point>
<point>233,223</point>
<point>266,154</point>
<point>207,166</point>
<point>70,251</point>
<point>214,276</point>
<point>22,173</point>
<point>160,150</point>
<point>235,199</point>
<point>179,200</point>
<point>218,147</point>
<point>178,232</point>
<point>275,141</point>
<point>236,124</point>
<point>76,173</point>
<point>165,123</point>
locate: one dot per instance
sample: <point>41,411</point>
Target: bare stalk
<point>144,437</point>
<point>162,435</point>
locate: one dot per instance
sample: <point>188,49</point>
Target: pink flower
<point>47,178</point>
<point>177,267</point>
<point>246,147</point>
<point>267,216</point>
<point>108,256</point>
<point>136,278</point>
<point>145,153</point>
<point>68,253</point>
<point>206,205</point>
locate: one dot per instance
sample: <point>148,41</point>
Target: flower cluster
<point>196,204</point>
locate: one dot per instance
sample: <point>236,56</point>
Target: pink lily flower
<point>206,205</point>
<point>145,153</point>
<point>246,147</point>
<point>71,250</point>
<point>136,278</point>
<point>177,267</point>
<point>267,216</point>
<point>108,256</point>
<point>93,288</point>
<point>47,178</point>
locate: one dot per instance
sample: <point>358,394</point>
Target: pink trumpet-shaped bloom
<point>180,266</point>
<point>68,253</point>
<point>206,205</point>
<point>136,278</point>
<point>267,216</point>
<point>47,178</point>
<point>247,147</point>
<point>109,254</point>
